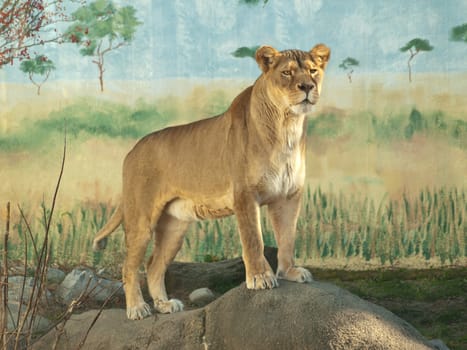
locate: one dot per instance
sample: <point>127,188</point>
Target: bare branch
<point>4,320</point>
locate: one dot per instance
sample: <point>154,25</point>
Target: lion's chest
<point>283,177</point>
<point>284,174</point>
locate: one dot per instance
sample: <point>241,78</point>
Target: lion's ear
<point>264,56</point>
<point>321,54</point>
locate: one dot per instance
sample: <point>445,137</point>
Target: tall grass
<point>429,225</point>
<point>331,226</point>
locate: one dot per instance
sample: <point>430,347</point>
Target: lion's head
<point>292,78</point>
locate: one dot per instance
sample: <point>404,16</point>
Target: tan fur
<point>252,155</point>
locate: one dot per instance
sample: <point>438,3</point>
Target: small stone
<point>201,296</point>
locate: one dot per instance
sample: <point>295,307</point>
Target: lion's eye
<point>313,71</point>
<point>286,73</point>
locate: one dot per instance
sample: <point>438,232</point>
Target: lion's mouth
<point>306,102</point>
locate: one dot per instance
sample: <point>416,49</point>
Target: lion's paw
<point>265,280</point>
<point>138,312</point>
<point>296,274</point>
<point>169,306</point>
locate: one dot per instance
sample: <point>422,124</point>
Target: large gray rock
<point>85,281</point>
<point>20,287</point>
<point>40,324</point>
<point>316,316</point>
<point>55,276</point>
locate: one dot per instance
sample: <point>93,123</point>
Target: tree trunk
<point>412,55</point>
<point>100,65</point>
<point>101,76</point>
<point>349,76</point>
<point>35,84</point>
<point>410,70</point>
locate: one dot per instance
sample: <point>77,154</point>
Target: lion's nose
<point>305,87</point>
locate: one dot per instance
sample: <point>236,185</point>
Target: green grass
<point>331,226</point>
<point>89,117</point>
<point>84,119</point>
<point>366,127</point>
<point>432,300</point>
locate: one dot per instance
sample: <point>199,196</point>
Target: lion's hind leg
<point>137,238</point>
<point>169,239</point>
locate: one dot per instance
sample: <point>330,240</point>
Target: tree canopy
<point>349,62</point>
<point>245,52</point>
<point>40,65</point>
<point>25,24</point>
<point>253,2</point>
<point>459,33</point>
<point>418,45</point>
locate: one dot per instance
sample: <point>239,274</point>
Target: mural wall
<point>387,151</point>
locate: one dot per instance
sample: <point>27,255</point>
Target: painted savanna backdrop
<point>387,151</point>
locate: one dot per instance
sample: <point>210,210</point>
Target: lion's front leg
<point>259,274</point>
<point>284,215</point>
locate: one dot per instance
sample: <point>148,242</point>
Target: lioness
<point>252,155</point>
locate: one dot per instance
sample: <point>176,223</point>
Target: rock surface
<point>294,316</point>
<point>40,324</point>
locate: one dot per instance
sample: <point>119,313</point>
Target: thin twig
<point>71,307</point>
<point>41,271</point>
<point>81,343</point>
<point>40,274</point>
<point>5,278</point>
<point>22,320</point>
<point>23,284</point>
<point>30,233</point>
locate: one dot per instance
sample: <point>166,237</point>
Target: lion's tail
<point>100,242</point>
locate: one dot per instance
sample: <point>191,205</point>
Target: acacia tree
<point>28,23</point>
<point>245,52</point>
<point>100,28</point>
<point>40,65</point>
<point>414,47</point>
<point>459,33</point>
<point>347,65</point>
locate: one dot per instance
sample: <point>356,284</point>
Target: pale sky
<point>194,38</point>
